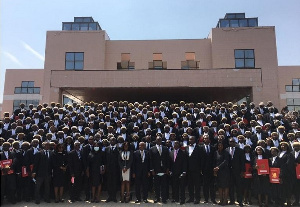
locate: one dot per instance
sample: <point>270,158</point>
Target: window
<point>27,87</point>
<point>295,87</point>
<point>67,100</point>
<point>293,104</point>
<point>190,62</point>
<point>157,63</point>
<point>125,62</point>
<point>17,103</point>
<point>244,58</point>
<point>74,61</point>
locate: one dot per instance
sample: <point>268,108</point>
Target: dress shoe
<point>61,200</point>
<point>156,200</point>
<point>182,202</point>
<point>206,201</point>
<point>190,201</point>
<point>37,202</point>
<point>145,201</point>
<point>241,204</point>
<point>137,201</point>
<point>196,202</point>
<point>114,200</point>
<point>214,201</point>
<point>108,200</point>
<point>47,201</point>
<point>164,201</point>
<point>231,203</point>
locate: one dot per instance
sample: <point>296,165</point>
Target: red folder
<point>5,164</point>
<point>203,123</point>
<point>298,171</point>
<point>263,166</point>
<point>248,172</point>
<point>274,175</point>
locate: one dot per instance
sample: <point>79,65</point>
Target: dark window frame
<point>244,58</point>
<point>27,87</point>
<point>74,61</point>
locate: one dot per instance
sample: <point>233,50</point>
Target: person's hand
<point>184,174</point>
<point>33,175</point>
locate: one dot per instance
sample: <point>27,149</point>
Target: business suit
<point>275,188</point>
<point>141,169</point>
<point>237,167</point>
<point>160,164</point>
<point>194,172</point>
<point>112,171</point>
<point>76,167</point>
<point>207,154</point>
<point>178,167</point>
<point>43,169</point>
<point>296,181</point>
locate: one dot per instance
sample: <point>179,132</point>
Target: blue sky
<point>23,24</point>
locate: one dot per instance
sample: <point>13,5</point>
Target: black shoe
<point>182,202</point>
<point>295,204</point>
<point>190,201</point>
<point>114,200</point>
<point>206,201</point>
<point>108,200</point>
<point>214,201</point>
<point>137,201</point>
<point>231,203</point>
<point>61,200</point>
<point>164,201</point>
<point>47,201</point>
<point>241,204</point>
<point>196,202</point>
<point>37,202</point>
<point>56,201</point>
<point>72,201</point>
<point>173,201</point>
<point>156,200</point>
<point>145,201</point>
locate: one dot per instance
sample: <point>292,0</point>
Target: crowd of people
<point>55,152</point>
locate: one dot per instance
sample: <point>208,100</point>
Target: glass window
<point>230,16</point>
<point>288,88</point>
<point>30,90</point>
<point>69,65</point>
<point>249,63</point>
<point>84,26</point>
<point>78,66</point>
<point>297,101</point>
<point>252,22</point>
<point>296,81</point>
<point>70,56</point>
<point>296,89</point>
<point>24,84</point>
<point>243,23</point>
<point>249,54</point>
<point>36,90</point>
<point>17,90</point>
<point>78,56</point>
<point>239,54</point>
<point>78,19</point>
<point>30,83</point>
<point>75,26</point>
<point>289,101</point>
<point>224,23</point>
<point>24,90</point>
<point>239,15</point>
<point>87,19</point>
<point>67,26</point>
<point>234,23</point>
<point>239,63</point>
<point>291,108</point>
<point>92,26</point>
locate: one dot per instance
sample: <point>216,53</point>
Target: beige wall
<point>263,41</point>
<point>286,75</point>
<point>14,78</point>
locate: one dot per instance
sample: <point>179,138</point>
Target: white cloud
<point>12,58</point>
<point>30,49</point>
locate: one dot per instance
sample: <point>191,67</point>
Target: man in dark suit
<point>8,177</point>
<point>237,167</point>
<point>85,153</point>
<point>194,170</point>
<point>141,172</point>
<point>42,172</point>
<point>207,152</point>
<point>112,169</point>
<point>296,190</point>
<point>160,168</point>
<point>178,168</point>
<point>76,170</point>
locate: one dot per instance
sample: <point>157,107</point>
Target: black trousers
<point>87,187</point>
<point>194,185</point>
<point>160,186</point>
<point>178,185</point>
<point>8,187</point>
<point>235,185</point>
<point>296,190</point>
<point>112,182</point>
<point>39,182</point>
<point>76,187</point>
<point>209,186</point>
<point>141,181</point>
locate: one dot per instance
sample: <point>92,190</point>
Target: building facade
<point>238,60</point>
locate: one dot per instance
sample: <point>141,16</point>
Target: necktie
<point>232,152</point>
<point>159,149</point>
<point>175,155</point>
<point>207,149</point>
<point>142,156</point>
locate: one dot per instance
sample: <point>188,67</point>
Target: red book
<point>263,166</point>
<point>5,164</point>
<point>274,175</point>
<point>248,172</point>
<point>298,171</point>
<point>24,172</point>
